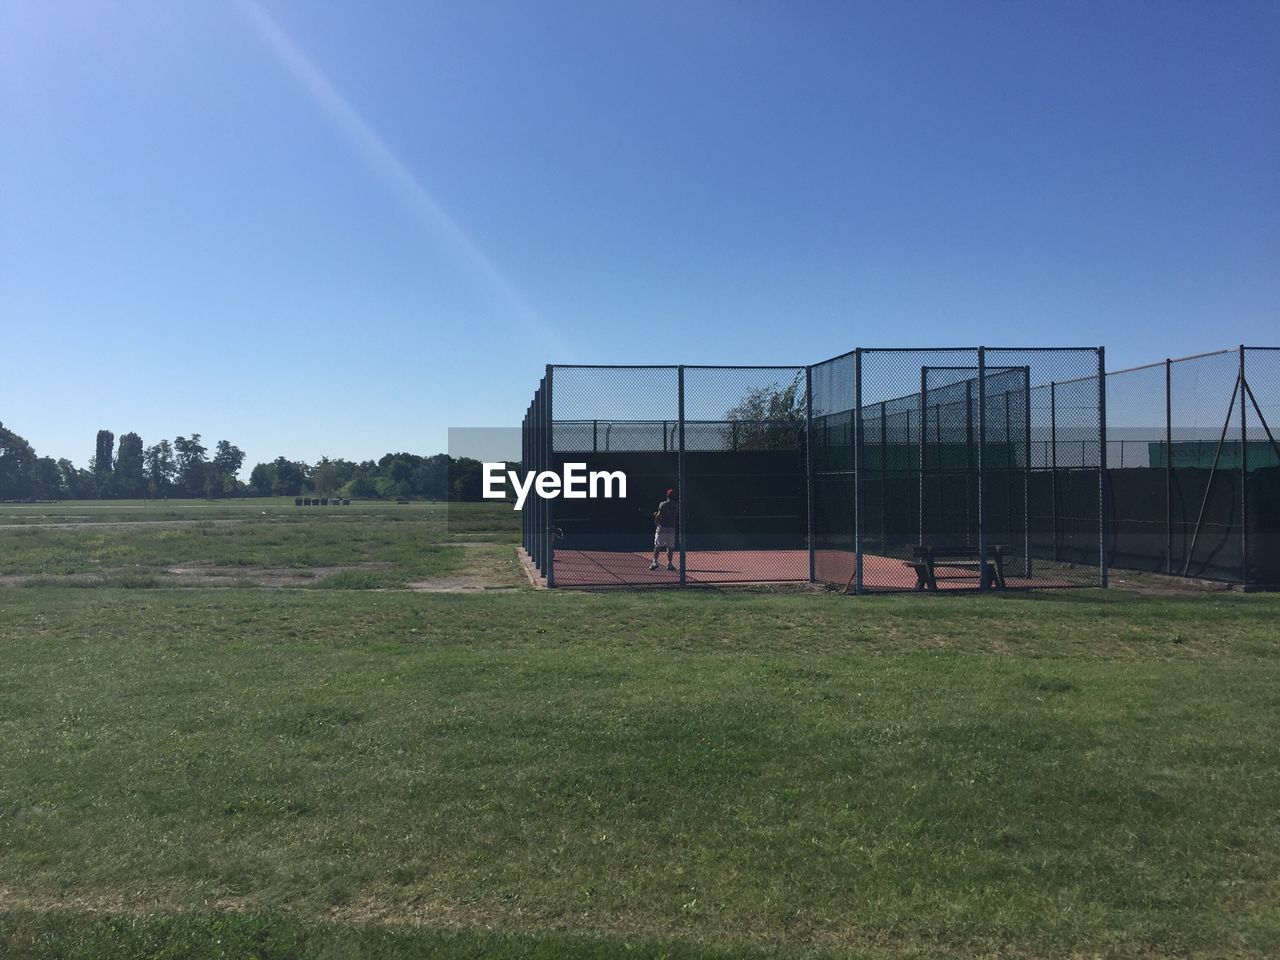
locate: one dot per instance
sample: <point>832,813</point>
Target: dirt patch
<point>465,583</point>
<point>190,575</point>
<point>209,574</point>
<point>1138,581</point>
<point>117,524</point>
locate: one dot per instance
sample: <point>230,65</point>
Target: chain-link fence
<point>876,470</point>
<point>1193,467</point>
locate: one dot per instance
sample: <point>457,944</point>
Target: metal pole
<point>941,467</point>
<point>1053,454</point>
<point>535,464</point>
<point>1244,479</point>
<point>1168,466</point>
<point>551,449</point>
<point>539,527</point>
<point>857,472</point>
<point>808,467</point>
<point>968,462</point>
<point>924,390</point>
<point>680,484</point>
<point>1008,470</point>
<point>524,468</point>
<point>1026,471</point>
<point>982,442</point>
<point>884,471</point>
<point>1102,465</point>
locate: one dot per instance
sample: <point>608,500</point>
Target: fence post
<point>535,464</point>
<point>525,463</point>
<point>982,442</point>
<point>680,485</point>
<point>1168,466</point>
<point>1102,465</point>
<point>1244,479</point>
<point>884,470</point>
<point>551,449</point>
<point>1053,455</point>
<point>808,466</point>
<point>1008,469</point>
<point>924,391</point>
<point>968,463</point>
<point>939,463</point>
<point>1026,472</point>
<point>857,471</point>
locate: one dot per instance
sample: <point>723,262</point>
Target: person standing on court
<point>664,534</point>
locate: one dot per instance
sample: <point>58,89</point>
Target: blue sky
<point>339,229</point>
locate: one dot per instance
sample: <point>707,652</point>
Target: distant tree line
<point>394,476</point>
<point>184,468</point>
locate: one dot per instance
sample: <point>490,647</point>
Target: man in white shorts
<point>664,534</point>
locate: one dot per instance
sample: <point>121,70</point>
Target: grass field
<point>432,759</point>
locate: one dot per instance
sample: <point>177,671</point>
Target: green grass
<point>706,774</point>
<point>363,546</point>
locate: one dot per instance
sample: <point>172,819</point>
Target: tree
<point>159,468</point>
<point>400,476</point>
<point>768,418</point>
<point>262,480</point>
<point>360,486</point>
<point>78,484</point>
<point>192,465</point>
<point>227,460</point>
<point>290,477</point>
<point>17,466</point>
<point>466,480</point>
<point>48,479</point>
<point>102,460</point>
<point>325,477</point>
<point>129,480</point>
<point>432,477</point>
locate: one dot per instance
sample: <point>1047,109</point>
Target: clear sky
<point>331,228</point>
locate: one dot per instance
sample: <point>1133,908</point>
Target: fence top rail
<point>991,368</point>
<point>606,421</point>
<point>1144,366</point>
<point>679,366</point>
<point>1161,363</point>
<point>614,366</point>
<point>1043,349</point>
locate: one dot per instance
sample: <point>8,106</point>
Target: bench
<point>928,560</point>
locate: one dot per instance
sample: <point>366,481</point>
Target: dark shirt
<point>667,513</point>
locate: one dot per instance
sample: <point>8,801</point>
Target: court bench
<point>927,560</point>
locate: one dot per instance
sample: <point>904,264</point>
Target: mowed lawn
<point>201,771</point>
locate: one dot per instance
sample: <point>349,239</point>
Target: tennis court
<point>605,568</point>
<point>790,473</point>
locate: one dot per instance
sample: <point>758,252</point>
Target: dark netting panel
<point>948,461</point>
<point>1262,480</point>
<point>1139,485</point>
<point>534,449</point>
<point>746,499</point>
<point>1195,492</point>
<point>613,419</point>
<point>1205,447</point>
<point>1042,474</point>
<point>913,429</point>
<point>834,393</point>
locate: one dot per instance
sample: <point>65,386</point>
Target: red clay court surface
<point>596,568</point>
